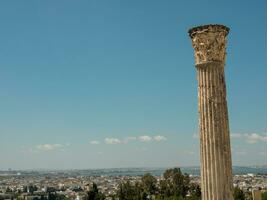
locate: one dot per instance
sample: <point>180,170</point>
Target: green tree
<point>8,190</point>
<point>32,188</point>
<point>170,198</point>
<point>94,194</point>
<point>50,189</point>
<point>42,197</point>
<point>52,196</point>
<point>195,191</point>
<point>164,189</point>
<point>24,189</point>
<point>174,186</point>
<point>248,195</point>
<point>264,196</point>
<point>177,182</point>
<point>149,183</point>
<point>238,194</point>
<point>128,191</point>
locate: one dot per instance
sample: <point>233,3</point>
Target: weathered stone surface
<point>209,43</point>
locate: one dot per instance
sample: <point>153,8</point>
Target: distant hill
<point>237,170</point>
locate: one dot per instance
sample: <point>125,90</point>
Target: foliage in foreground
<point>174,186</point>
<point>94,194</point>
<point>264,196</point>
<point>239,194</point>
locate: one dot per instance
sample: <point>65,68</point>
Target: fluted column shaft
<point>216,166</point>
<point>209,43</point>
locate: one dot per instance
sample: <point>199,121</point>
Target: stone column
<point>209,43</point>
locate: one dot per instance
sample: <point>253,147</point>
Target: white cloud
<point>94,142</point>
<point>112,141</point>
<point>159,138</point>
<point>144,138</point>
<point>253,138</point>
<point>48,147</point>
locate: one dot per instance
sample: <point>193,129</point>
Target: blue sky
<point>95,84</point>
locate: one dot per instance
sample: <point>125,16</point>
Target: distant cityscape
<point>73,184</point>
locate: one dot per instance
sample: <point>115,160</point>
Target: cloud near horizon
<point>95,142</point>
<point>49,147</point>
<point>251,138</point>
<point>113,141</point>
<point>159,138</point>
<point>143,138</point>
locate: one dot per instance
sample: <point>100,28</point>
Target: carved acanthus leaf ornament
<point>209,44</point>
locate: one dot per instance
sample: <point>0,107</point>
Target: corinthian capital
<point>209,43</point>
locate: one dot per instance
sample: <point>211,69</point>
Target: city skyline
<point>113,84</point>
